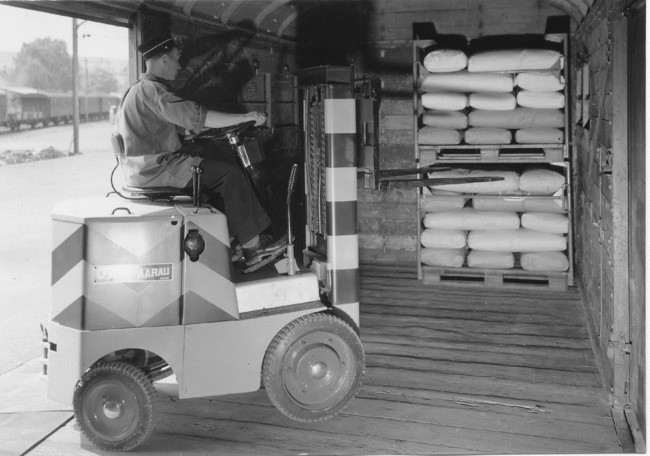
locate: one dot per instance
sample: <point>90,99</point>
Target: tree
<point>44,64</point>
<point>101,80</point>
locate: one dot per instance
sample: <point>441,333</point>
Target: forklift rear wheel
<point>115,405</point>
<point>313,367</point>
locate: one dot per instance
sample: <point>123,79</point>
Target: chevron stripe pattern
<point>208,290</point>
<point>117,271</point>
<point>341,194</point>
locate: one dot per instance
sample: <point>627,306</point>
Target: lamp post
<point>75,83</point>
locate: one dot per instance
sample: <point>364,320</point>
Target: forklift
<point>146,287</point>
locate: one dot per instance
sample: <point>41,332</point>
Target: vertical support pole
<point>620,204</point>
<point>75,89</point>
<point>341,197</point>
<point>136,64</point>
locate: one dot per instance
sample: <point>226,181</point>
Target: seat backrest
<point>118,144</point>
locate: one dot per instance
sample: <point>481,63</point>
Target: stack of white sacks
<point>483,98</point>
<point>486,231</point>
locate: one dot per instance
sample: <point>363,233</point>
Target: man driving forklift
<point>152,119</point>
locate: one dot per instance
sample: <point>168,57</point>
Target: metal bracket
<point>625,347</point>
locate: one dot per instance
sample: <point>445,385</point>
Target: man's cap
<point>156,46</point>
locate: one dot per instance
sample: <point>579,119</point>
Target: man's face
<point>173,66</point>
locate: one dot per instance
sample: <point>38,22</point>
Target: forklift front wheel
<point>313,367</point>
<point>115,405</point>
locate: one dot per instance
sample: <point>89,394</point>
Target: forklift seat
<point>151,193</point>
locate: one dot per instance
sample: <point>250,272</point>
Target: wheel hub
<point>318,370</point>
<point>112,409</point>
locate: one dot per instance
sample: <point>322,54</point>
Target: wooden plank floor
<point>448,371</point>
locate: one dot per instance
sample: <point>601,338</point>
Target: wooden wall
<point>637,185</point>
<point>601,190</point>
<point>471,18</point>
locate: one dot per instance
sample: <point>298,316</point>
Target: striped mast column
<point>341,195</point>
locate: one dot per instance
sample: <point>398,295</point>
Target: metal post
<point>75,84</point>
<point>87,113</point>
<point>75,94</point>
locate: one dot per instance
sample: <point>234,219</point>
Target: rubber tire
<point>139,385</point>
<point>284,344</point>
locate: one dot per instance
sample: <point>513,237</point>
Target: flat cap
<point>156,46</point>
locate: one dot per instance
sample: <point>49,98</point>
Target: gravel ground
<point>29,191</point>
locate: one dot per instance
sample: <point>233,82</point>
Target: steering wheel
<point>221,133</point>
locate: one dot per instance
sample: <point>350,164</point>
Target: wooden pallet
<point>500,278</point>
<point>542,153</point>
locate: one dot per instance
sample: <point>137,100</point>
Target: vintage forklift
<point>146,287</point>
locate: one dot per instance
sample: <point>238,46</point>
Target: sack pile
<point>464,226</point>
<point>483,98</point>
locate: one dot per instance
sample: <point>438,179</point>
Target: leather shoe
<point>263,249</point>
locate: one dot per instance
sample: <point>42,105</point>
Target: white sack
<point>517,204</point>
<point>451,258</point>
<point>442,201</point>
<point>540,100</point>
<point>468,219</point>
<point>505,204</point>
<point>488,136</point>
<point>493,101</point>
<point>490,260</point>
<point>540,81</point>
<point>445,101</point>
<point>509,183</point>
<point>517,118</point>
<point>539,136</point>
<point>445,61</point>
<point>545,222</point>
<point>444,239</point>
<point>543,205</point>
<point>520,240</point>
<point>515,60</point>
<point>540,181</point>
<point>439,136</point>
<point>544,261</point>
<point>456,120</point>
<point>468,82</point>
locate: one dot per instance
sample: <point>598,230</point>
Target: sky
<point>20,25</point>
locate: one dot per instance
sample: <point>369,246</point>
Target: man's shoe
<point>236,251</point>
<point>263,249</point>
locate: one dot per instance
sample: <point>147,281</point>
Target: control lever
<point>292,267</point>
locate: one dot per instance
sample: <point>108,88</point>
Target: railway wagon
<point>28,106</point>
<point>88,105</point>
<point>25,106</point>
<point>3,104</point>
<point>60,108</point>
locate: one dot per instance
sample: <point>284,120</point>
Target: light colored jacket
<point>150,119</point>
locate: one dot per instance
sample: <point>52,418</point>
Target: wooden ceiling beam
<point>268,10</point>
<point>286,23</point>
<point>567,7</point>
<point>234,4</point>
<point>187,7</point>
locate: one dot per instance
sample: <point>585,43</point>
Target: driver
<point>150,119</point>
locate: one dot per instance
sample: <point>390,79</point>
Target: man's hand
<point>258,117</point>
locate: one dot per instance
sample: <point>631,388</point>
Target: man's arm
<point>216,119</point>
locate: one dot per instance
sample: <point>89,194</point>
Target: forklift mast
<point>331,140</point>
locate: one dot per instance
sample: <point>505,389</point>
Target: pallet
<point>513,153</point>
<point>495,278</point>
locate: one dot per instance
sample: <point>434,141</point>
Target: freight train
<point>27,106</point>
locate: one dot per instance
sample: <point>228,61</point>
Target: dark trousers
<point>229,190</point>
